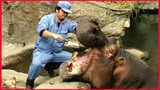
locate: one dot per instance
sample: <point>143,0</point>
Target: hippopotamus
<point>105,65</point>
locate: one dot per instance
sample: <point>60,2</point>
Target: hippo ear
<point>119,61</point>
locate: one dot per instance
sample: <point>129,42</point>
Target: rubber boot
<point>29,84</point>
<point>49,67</point>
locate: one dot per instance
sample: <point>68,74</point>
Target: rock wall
<point>20,19</point>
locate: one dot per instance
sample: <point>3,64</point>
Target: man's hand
<point>57,37</point>
<point>48,34</point>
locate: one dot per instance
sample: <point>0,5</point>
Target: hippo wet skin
<point>105,65</point>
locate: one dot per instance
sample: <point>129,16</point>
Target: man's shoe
<point>49,67</point>
<point>29,87</point>
<point>29,84</point>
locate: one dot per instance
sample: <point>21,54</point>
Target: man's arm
<point>72,27</point>
<point>47,34</point>
<point>43,32</point>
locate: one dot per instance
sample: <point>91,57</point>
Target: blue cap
<point>66,6</point>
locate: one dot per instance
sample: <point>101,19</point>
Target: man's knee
<point>36,65</point>
<point>68,56</point>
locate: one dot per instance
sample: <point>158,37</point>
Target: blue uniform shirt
<point>50,45</point>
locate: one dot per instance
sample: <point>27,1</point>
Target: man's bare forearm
<point>48,34</point>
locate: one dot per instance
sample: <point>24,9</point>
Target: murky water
<point>143,35</point>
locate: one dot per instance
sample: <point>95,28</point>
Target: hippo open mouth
<point>72,66</point>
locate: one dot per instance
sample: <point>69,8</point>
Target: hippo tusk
<point>71,64</point>
<point>74,55</point>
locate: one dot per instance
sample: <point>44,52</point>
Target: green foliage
<point>122,5</point>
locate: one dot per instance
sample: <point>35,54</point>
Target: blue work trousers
<point>40,59</point>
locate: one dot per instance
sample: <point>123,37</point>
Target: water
<point>143,35</point>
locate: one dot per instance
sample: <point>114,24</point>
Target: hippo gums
<point>104,64</point>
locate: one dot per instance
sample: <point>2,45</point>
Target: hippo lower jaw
<point>77,66</point>
<point>72,67</point>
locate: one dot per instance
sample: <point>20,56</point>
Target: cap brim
<point>66,10</point>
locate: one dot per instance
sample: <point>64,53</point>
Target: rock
<point>56,83</point>
<point>66,85</point>
<point>13,54</point>
<point>13,79</point>
<point>20,78</point>
<point>111,30</point>
<point>9,83</point>
<point>126,23</point>
<point>111,20</point>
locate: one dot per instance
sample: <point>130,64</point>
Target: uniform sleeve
<point>72,27</point>
<point>43,24</point>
